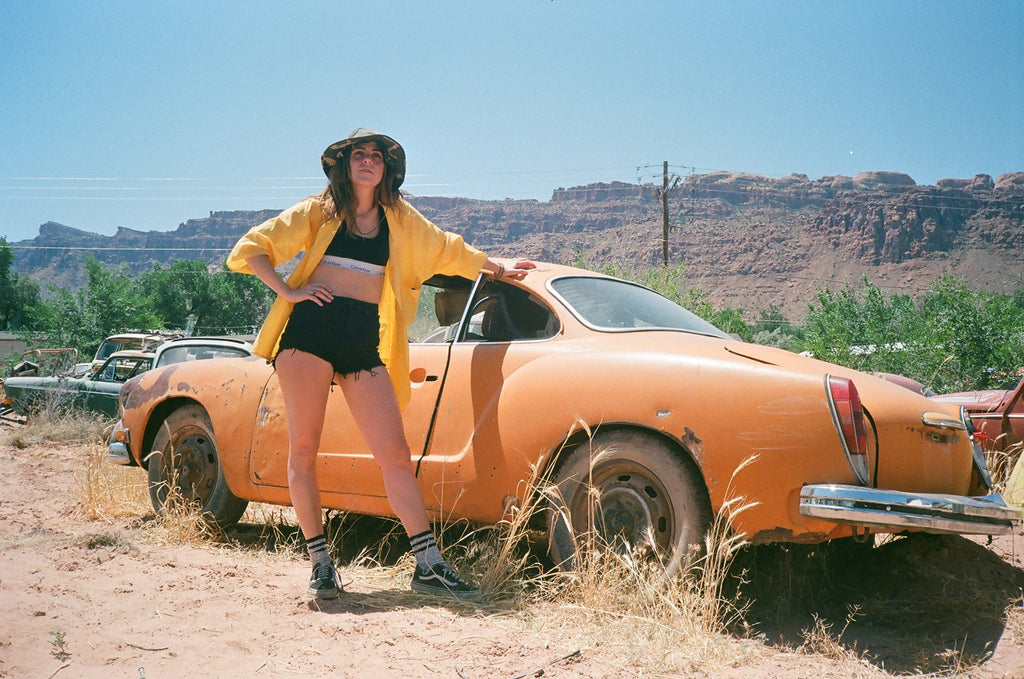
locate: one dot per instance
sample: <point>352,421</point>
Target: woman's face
<point>366,164</point>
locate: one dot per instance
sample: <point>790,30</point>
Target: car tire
<point>185,469</point>
<point>644,488</point>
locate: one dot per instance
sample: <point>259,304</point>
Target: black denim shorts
<point>344,332</point>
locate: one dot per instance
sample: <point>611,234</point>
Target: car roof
<point>131,353</point>
<point>119,337</point>
<point>213,341</point>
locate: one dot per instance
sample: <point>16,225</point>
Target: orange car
<point>587,379</point>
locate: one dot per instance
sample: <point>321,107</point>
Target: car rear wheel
<point>630,491</point>
<point>185,470</point>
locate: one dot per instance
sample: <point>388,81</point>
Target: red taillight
<point>848,415</point>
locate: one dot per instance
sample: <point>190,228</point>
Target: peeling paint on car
<point>694,445</point>
<point>262,415</point>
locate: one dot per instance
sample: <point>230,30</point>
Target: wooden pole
<point>664,214</point>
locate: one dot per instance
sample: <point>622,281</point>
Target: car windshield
<point>611,304</point>
<point>106,349</point>
<point>121,369</point>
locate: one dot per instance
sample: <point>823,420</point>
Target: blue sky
<point>146,114</point>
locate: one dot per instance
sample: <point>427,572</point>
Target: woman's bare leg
<point>372,402</point>
<point>371,399</point>
<point>305,382</point>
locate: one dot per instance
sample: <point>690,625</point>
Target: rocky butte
<point>749,240</point>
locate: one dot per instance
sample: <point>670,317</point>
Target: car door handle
<point>419,376</point>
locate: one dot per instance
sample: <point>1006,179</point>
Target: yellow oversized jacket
<point>418,250</point>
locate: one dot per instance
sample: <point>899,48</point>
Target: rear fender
<point>781,435</point>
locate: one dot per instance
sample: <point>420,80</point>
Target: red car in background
<point>997,414</point>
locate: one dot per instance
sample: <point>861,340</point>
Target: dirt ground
<point>110,598</point>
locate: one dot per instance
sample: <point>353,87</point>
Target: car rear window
<point>614,305</point>
<point>198,353</point>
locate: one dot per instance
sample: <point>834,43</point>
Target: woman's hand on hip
<point>314,292</point>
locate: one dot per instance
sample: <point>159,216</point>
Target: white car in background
<point>200,348</point>
<point>126,341</point>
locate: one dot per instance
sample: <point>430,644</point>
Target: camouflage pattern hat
<point>394,154</point>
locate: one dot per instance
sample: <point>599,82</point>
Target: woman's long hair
<point>339,199</point>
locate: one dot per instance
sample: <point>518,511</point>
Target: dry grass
<point>819,638</point>
<point>62,426</point>
<point>1001,463</point>
<point>619,601</point>
<point>623,603</point>
<point>109,491</point>
<point>692,624</point>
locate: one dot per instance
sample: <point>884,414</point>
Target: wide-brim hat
<point>394,154</point>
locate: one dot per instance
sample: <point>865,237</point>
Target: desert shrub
<point>953,338</point>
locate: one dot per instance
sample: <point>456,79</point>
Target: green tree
<point>834,325</point>
<point>64,320</point>
<point>772,328</point>
<point>246,300</point>
<point>109,303</point>
<point>731,321</point>
<point>17,292</point>
<point>116,301</point>
<point>953,338</point>
<point>222,303</point>
<point>978,337</point>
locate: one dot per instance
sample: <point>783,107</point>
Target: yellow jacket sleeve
<point>422,251</point>
<point>280,238</point>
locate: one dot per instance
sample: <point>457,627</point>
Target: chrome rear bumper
<point>894,510</point>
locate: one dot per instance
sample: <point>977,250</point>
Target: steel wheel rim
<point>631,507</point>
<point>193,469</point>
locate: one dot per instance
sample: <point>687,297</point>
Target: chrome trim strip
<point>895,510</point>
<point>943,424</point>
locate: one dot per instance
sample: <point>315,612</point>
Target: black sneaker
<point>324,584</point>
<point>442,580</point>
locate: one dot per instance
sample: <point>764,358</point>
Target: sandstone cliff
<point>750,240</point>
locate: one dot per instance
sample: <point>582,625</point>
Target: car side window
<point>506,313</point>
<point>442,302</point>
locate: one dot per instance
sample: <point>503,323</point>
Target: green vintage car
<point>97,392</point>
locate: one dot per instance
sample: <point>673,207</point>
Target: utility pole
<point>664,214</point>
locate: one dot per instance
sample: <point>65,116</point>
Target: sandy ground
<point>108,598</point>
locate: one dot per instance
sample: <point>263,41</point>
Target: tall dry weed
<point>617,598</point>
<point>181,520</point>
<point>110,491</point>
<point>61,425</point>
<point>1001,464</point>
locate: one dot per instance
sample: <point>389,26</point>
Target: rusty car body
<point>96,392</point>
<point>588,380</point>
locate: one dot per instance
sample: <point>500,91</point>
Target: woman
<point>341,318</point>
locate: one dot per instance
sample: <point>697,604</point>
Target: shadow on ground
<point>919,603</point>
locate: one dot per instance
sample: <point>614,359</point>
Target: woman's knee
<point>302,460</point>
<point>394,460</point>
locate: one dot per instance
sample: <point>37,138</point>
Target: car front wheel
<point>632,492</point>
<point>185,470</point>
